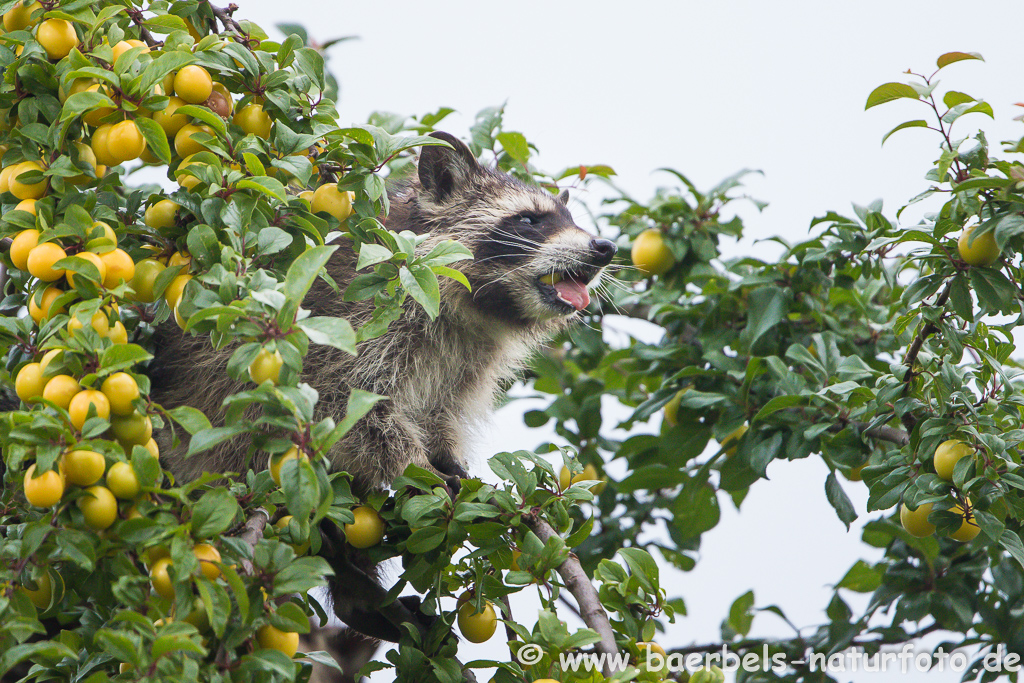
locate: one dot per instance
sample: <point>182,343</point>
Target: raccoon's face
<point>532,264</point>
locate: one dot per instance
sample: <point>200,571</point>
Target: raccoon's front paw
<point>454,485</point>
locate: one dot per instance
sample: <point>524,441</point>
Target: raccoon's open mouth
<point>566,290</point>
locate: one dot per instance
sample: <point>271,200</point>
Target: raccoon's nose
<point>604,251</point>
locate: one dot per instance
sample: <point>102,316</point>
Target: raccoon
<point>529,278</point>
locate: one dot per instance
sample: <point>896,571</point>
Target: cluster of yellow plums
<point>916,521</point>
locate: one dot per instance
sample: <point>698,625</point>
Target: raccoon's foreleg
<point>358,599</point>
<point>444,450</point>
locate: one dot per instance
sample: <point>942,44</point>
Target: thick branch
<point>890,434</point>
<point>578,583</point>
<point>252,533</point>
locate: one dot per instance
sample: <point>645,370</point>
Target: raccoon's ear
<point>443,171</point>
<point>564,197</point>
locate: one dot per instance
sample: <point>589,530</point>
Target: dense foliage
<point>871,345</point>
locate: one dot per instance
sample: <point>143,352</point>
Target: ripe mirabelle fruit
<point>647,652</point>
<point>193,84</point>
<point>41,259</point>
<point>126,45</point>
<point>27,205</point>
<point>20,16</point>
<point>650,253</point>
<point>169,119</point>
<point>98,322</point>
<point>23,190</point>
<point>329,199</point>
<point>118,334</point>
<point>101,234</point>
<point>22,244</point>
<point>161,578</point>
<point>125,141</point>
<point>731,440</point>
<point>947,455</point>
<point>132,430</point>
<point>855,472</point>
<point>58,37</point>
<point>5,177</point>
<point>43,491</point>
<point>172,295</point>
<point>672,408</point>
<point>122,482</point>
<point>180,258</point>
<point>652,646</point>
<point>282,525</point>
<point>161,215</point>
<point>45,308</point>
<point>264,366</point>
<point>589,473</point>
<point>83,468</point>
<point>121,389</point>
<point>29,382</point>
<point>99,507</point>
<point>271,638</point>
<point>983,251</point>
<point>93,117</point>
<point>207,555</point>
<point>367,530</point>
<point>43,593</point>
<point>968,525</point>
<point>146,272</point>
<point>120,268</point>
<point>85,154</point>
<point>152,447</point>
<point>477,627</point>
<point>278,461</point>
<point>100,148</point>
<point>253,120</point>
<point>186,145</point>
<point>916,521</point>
<point>78,409</point>
<point>91,258</point>
<point>60,389</point>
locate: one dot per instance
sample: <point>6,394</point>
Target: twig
<point>139,20</point>
<point>252,534</point>
<point>908,419</point>
<point>224,14</point>
<point>890,434</point>
<point>510,635</point>
<point>576,580</point>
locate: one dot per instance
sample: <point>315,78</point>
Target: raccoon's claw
<point>454,485</point>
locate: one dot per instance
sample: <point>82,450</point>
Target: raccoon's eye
<point>528,219</point>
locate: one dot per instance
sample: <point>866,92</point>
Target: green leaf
<point>209,438</point>
<point>917,123</point>
<point>206,116</point>
<point>887,92</point>
<point>421,283</point>
<point>304,271</point>
<point>191,419</point>
<point>268,186</point>
<point>838,499</point>
<point>862,577</point>
<point>741,613</point>
<point>156,139</point>
<point>515,145</point>
<point>779,403</point>
<point>371,253</point>
<point>336,332</point>
<point>952,57</point>
<point>768,307</point>
<point>214,513</point>
<point>123,356</point>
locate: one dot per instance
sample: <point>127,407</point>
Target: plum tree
<point>850,348</point>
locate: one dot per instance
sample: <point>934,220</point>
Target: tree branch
<point>510,635</point>
<point>139,20</point>
<point>890,434</point>
<point>578,583</point>
<point>252,533</point>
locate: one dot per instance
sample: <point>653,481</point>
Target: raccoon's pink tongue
<point>573,293</point>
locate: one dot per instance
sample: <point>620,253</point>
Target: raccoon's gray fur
<point>440,376</point>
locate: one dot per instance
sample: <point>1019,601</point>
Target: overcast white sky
<point>707,88</point>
